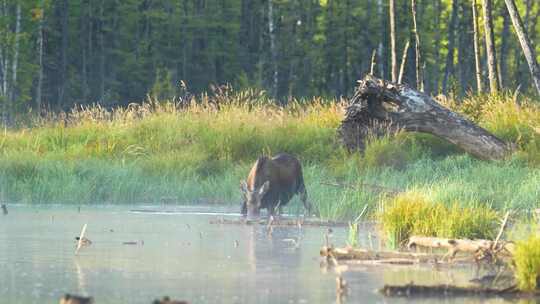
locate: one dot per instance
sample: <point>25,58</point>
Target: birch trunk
<point>435,70</point>
<point>403,62</point>
<point>503,70</point>
<point>449,66</point>
<point>14,67</point>
<point>40,72</point>
<point>380,50</point>
<point>526,45</point>
<point>392,9</point>
<point>273,53</point>
<point>490,47</point>
<point>63,58</point>
<point>419,76</point>
<point>478,65</point>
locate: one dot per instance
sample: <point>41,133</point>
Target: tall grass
<point>527,264</point>
<point>412,213</point>
<point>199,149</point>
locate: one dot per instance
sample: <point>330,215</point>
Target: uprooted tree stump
<point>379,107</point>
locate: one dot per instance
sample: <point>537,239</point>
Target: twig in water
<point>81,239</point>
<point>501,230</point>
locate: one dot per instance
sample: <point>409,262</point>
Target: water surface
<point>182,255</point>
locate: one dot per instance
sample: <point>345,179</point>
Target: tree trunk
<point>63,55</point>
<point>478,65</point>
<point>464,39</point>
<point>503,70</point>
<point>392,9</point>
<point>419,76</point>
<point>273,51</point>
<point>14,67</point>
<point>380,50</point>
<point>449,66</point>
<point>435,70</point>
<point>490,47</point>
<point>526,45</point>
<point>84,71</point>
<point>379,107</point>
<point>40,55</point>
<point>4,57</point>
<point>101,54</point>
<point>403,62</point>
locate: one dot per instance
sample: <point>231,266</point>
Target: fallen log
<point>380,107</point>
<point>382,257</point>
<point>479,248</point>
<point>411,290</point>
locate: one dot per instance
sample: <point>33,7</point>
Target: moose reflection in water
<point>271,184</point>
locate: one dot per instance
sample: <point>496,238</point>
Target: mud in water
<point>135,257</point>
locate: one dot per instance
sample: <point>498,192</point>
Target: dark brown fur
<point>284,174</point>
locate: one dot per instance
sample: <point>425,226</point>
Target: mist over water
<point>181,255</point>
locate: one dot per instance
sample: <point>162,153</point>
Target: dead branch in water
<point>501,230</point>
<point>411,290</point>
<point>480,249</point>
<point>381,257</point>
<point>81,239</point>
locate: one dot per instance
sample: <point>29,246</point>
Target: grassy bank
<point>198,153</point>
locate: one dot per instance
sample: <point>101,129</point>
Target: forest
<point>55,55</point>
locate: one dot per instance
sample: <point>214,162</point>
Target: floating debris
<point>130,243</point>
<point>81,240</point>
<point>412,290</point>
<point>74,299</point>
<point>84,241</point>
<point>167,300</point>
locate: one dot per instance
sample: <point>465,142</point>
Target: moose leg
<point>243,210</point>
<point>307,205</point>
<point>275,210</point>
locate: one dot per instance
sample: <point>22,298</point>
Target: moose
<point>271,184</point>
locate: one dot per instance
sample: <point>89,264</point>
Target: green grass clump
<point>411,213</point>
<point>394,151</point>
<point>527,264</point>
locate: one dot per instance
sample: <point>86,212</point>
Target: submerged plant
<point>353,235</point>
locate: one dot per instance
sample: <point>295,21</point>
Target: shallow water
<point>183,256</point>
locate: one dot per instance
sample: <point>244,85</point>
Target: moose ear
<point>243,186</point>
<point>264,188</point>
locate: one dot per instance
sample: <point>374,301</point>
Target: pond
<point>136,257</point>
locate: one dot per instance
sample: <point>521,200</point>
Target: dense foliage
<point>57,53</point>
